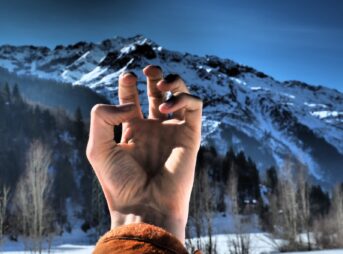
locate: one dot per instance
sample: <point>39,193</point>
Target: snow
<point>260,243</point>
<point>97,71</point>
<point>7,64</point>
<point>338,251</point>
<point>63,248</point>
<point>324,114</point>
<point>76,242</point>
<point>263,193</point>
<point>83,56</point>
<point>314,105</point>
<point>289,95</point>
<point>320,110</point>
<point>110,79</point>
<point>238,81</point>
<point>255,88</point>
<point>66,137</point>
<point>127,49</point>
<point>225,230</point>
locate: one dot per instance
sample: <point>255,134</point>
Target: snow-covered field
<point>79,242</point>
<point>76,242</point>
<point>64,248</point>
<point>260,244</point>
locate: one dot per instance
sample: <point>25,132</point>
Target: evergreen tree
<point>64,178</point>
<point>79,126</point>
<point>16,95</point>
<point>272,179</point>
<point>226,165</point>
<point>99,211</point>
<point>2,110</point>
<point>6,93</point>
<point>254,178</point>
<point>319,201</point>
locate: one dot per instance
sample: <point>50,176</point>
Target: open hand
<point>148,176</point>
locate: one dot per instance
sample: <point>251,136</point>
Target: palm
<point>151,169</point>
<point>148,176</point>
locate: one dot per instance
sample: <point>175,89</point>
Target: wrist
<point>173,225</point>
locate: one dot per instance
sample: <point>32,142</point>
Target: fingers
<point>155,96</point>
<point>174,84</point>
<point>103,119</point>
<point>192,106</point>
<point>128,93</point>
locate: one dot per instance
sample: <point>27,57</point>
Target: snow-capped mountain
<point>243,108</point>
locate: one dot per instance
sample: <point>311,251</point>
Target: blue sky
<point>300,40</point>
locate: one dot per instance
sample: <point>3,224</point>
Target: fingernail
<point>170,102</point>
<point>171,78</point>
<point>157,66</point>
<point>129,73</point>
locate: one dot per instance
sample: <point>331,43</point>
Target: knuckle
<point>90,152</point>
<point>128,98</point>
<point>190,97</point>
<point>197,100</point>
<point>97,109</point>
<point>171,78</point>
<point>155,94</point>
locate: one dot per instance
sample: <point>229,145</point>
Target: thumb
<point>103,119</point>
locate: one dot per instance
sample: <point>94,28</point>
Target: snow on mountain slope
<point>243,108</point>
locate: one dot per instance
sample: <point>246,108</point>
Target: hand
<point>148,176</point>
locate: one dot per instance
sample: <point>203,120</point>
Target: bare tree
<point>337,214</point>
<point>233,189</point>
<point>239,243</point>
<point>284,207</point>
<point>3,208</point>
<point>328,230</point>
<point>290,207</point>
<point>201,212</point>
<point>208,205</point>
<point>196,214</point>
<point>303,203</point>
<point>33,195</point>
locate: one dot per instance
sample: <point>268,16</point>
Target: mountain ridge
<point>243,108</point>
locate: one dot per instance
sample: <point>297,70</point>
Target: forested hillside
<point>23,124</point>
<point>53,94</point>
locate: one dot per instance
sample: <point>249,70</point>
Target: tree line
<point>289,205</point>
